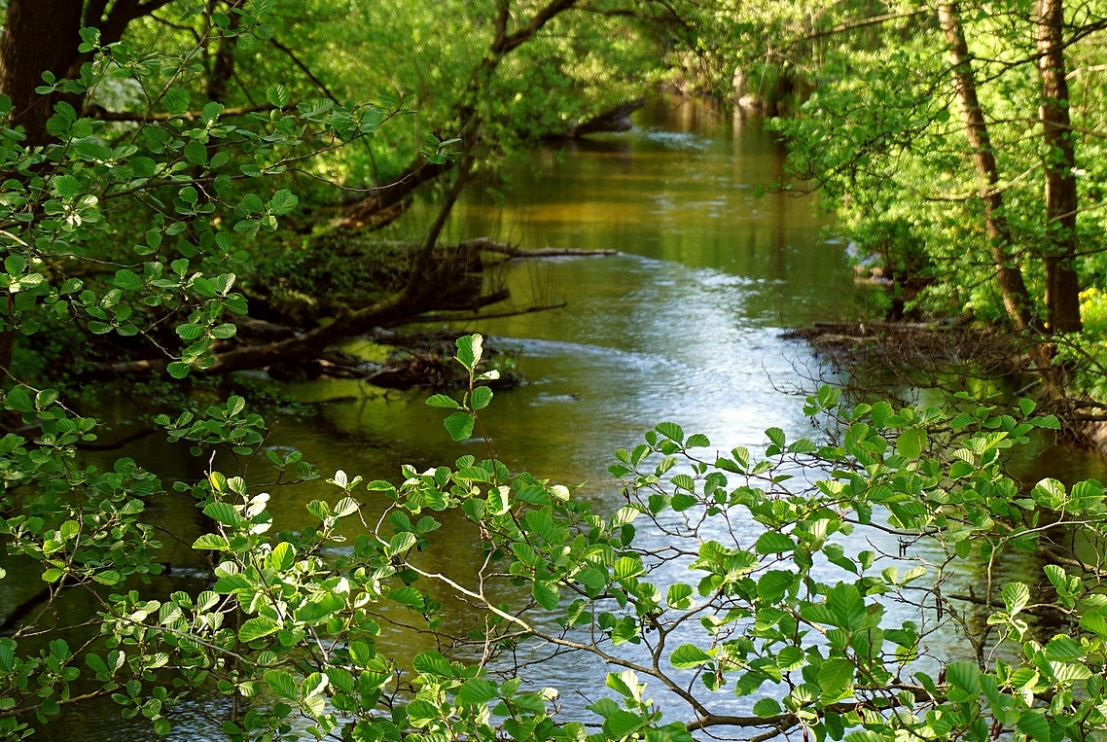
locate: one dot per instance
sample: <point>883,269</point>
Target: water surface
<point>683,324</point>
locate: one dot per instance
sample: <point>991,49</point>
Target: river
<point>683,324</point>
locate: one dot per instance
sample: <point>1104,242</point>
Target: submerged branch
<point>514,251</point>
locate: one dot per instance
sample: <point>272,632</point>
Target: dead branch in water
<point>514,251</point>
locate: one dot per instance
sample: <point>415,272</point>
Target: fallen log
<point>514,251</point>
<point>616,118</point>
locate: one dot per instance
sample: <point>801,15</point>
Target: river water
<point>683,324</point>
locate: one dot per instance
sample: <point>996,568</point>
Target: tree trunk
<point>43,35</point>
<point>367,211</point>
<point>221,67</point>
<point>39,36</point>
<point>1016,299</point>
<point>1062,283</point>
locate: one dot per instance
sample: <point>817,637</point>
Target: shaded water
<point>684,324</point>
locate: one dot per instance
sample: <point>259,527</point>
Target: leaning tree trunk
<point>1016,299</point>
<point>1062,283</point>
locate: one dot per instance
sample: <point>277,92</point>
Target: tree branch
<point>864,22</point>
<point>99,112</point>
<point>305,69</point>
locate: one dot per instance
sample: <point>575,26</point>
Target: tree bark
<point>221,69</point>
<point>43,35</point>
<point>1016,299</point>
<point>39,36</point>
<point>1062,282</point>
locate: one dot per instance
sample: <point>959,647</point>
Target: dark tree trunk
<point>1016,299</point>
<point>221,71</point>
<point>43,35</point>
<point>39,36</point>
<point>1062,283</point>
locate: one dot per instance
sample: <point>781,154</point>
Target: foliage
<point>721,576</point>
<point>886,137</point>
<point>174,153</point>
<point>734,586</point>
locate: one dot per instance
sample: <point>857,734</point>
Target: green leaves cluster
<point>720,574</point>
<point>139,228</point>
<point>470,349</point>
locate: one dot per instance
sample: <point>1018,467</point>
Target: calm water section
<point>684,324</point>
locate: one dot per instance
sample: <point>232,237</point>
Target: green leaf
<point>469,350</point>
<point>432,663</point>
<point>687,656</point>
<point>196,153</point>
<point>224,513</point>
<point>211,112</point>
<point>408,596</point>
<point>672,431</point>
<point>477,691</point>
<point>766,708</point>
<point>482,395</point>
<point>282,683</point>
<point>847,605</point>
<point>128,280</point>
<point>189,332</point>
<point>697,440</point>
<point>283,202</point>
<point>278,95</point>
<point>460,425</point>
<point>679,597</point>
<point>401,543</point>
<point>320,608</point>
<point>964,677</point>
<point>256,628</point>
<point>1035,725</point>
<point>1062,648</point>
<point>911,443</point>
<point>19,400</point>
<point>1015,596</point>
<point>282,557</point>
<point>224,331</point>
<point>212,541</point>
<point>774,584</point>
<point>66,186</point>
<point>204,287</point>
<point>176,100</point>
<point>443,401</point>
<point>835,678</point>
<point>1049,422</point>
<point>772,542</point>
<point>622,724</point>
<point>546,594</point>
<point>178,370</point>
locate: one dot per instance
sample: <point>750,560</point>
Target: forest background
<point>189,190</point>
